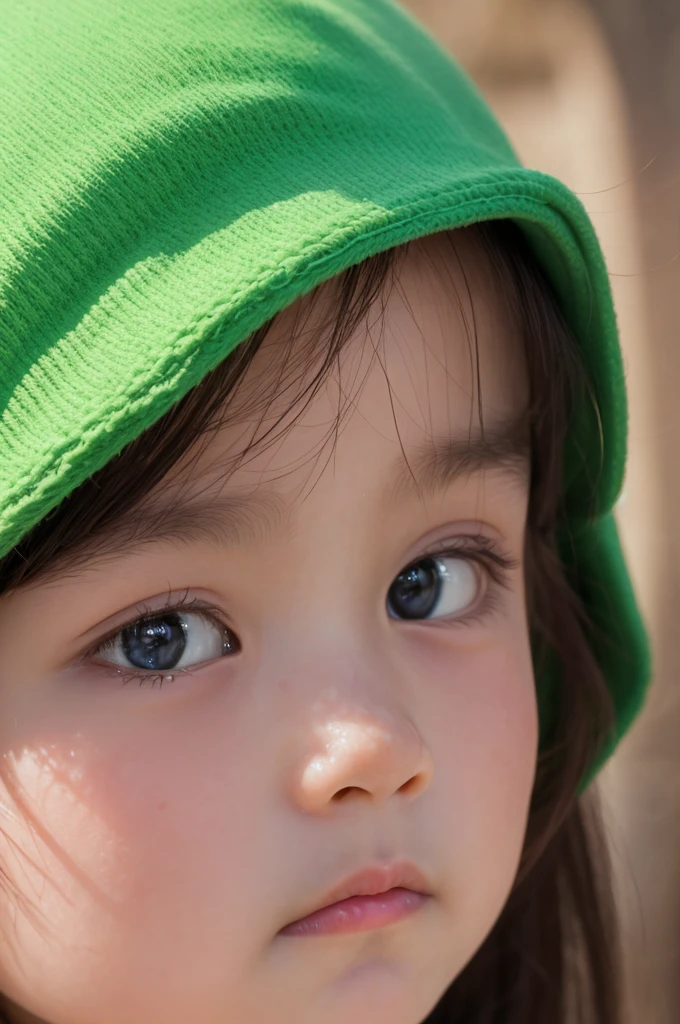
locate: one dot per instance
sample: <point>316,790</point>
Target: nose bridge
<point>347,726</point>
<point>354,738</point>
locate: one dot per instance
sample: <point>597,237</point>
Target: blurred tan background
<point>589,90</point>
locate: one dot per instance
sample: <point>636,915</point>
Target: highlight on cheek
<point>380,722</point>
<point>58,849</point>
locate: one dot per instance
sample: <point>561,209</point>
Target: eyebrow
<point>232,520</point>
<point>502,446</point>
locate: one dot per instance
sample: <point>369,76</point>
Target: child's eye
<point>452,584</point>
<point>167,641</point>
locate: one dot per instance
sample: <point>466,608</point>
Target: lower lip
<point>359,914</point>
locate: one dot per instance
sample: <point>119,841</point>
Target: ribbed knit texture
<point>174,172</point>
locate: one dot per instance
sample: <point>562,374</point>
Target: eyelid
<point>486,535</point>
<point>474,546</point>
<point>482,548</point>
<point>153,676</point>
<point>489,558</point>
<point>146,609</point>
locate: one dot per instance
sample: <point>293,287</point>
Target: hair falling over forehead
<point>553,954</point>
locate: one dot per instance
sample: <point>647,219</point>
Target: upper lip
<point>376,879</point>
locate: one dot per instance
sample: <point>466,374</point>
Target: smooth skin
<point>157,834</point>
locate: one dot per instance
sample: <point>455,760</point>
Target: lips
<point>373,880</point>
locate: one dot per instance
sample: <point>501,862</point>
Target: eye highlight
<point>456,584</point>
<point>171,639</point>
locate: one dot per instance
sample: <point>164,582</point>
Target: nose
<point>362,757</point>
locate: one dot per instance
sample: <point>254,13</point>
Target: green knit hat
<point>174,172</point>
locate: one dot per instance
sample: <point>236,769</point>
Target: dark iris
<point>154,643</point>
<point>415,591</point>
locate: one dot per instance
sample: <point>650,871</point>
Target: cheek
<point>185,800</point>
<point>129,844</point>
<point>62,870</point>
<point>484,731</point>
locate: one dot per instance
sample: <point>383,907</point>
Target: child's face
<point>158,838</point>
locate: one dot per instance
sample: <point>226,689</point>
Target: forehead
<point>398,416</point>
<point>437,354</point>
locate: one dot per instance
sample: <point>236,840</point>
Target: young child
<point>314,622</point>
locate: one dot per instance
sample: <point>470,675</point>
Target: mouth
<point>373,898</point>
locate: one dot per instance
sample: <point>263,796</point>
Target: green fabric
<point>173,172</point>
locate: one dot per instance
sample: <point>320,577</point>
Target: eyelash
<point>497,566</point>
<point>482,551</point>
<point>183,604</point>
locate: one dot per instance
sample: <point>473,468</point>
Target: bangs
<point>311,351</point>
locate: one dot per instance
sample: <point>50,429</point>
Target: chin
<point>378,992</point>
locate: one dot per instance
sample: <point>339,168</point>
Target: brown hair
<point>553,954</point>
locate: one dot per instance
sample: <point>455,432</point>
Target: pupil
<point>415,591</point>
<point>154,643</point>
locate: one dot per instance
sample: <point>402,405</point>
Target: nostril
<point>343,793</point>
<point>412,785</point>
<point>409,788</point>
